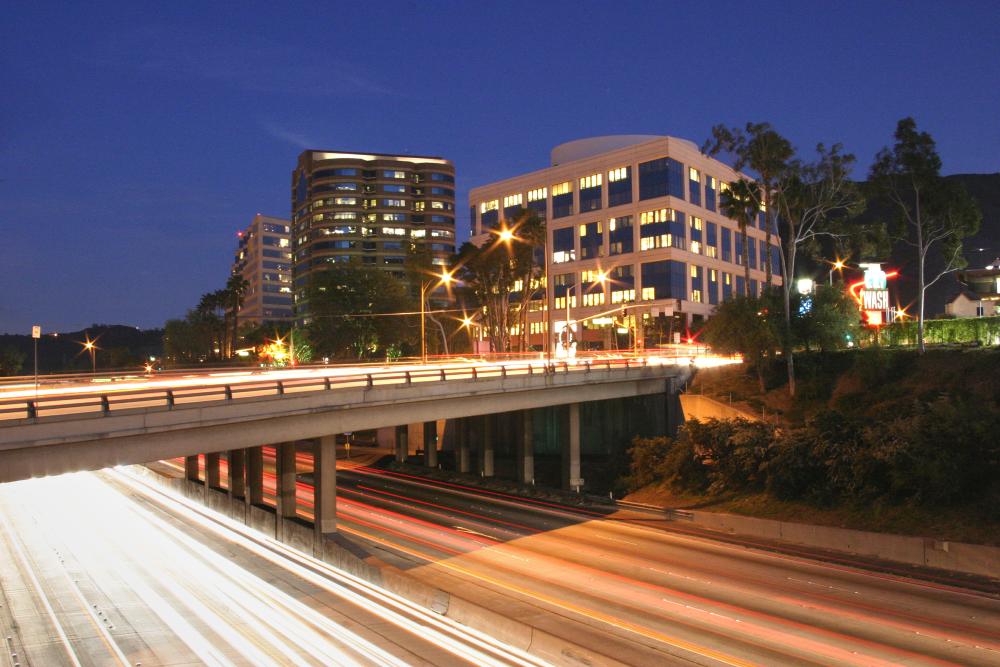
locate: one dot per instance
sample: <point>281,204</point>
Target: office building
<point>635,238</point>
<point>367,208</point>
<point>264,259</point>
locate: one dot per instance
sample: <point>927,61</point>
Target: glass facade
<point>591,240</point>
<point>694,186</point>
<point>562,200</point>
<point>664,280</point>
<point>620,235</point>
<point>661,178</point>
<point>563,249</point>
<point>590,193</point>
<point>620,186</point>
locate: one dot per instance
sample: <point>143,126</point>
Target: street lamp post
<point>443,279</point>
<point>90,347</point>
<point>837,266</point>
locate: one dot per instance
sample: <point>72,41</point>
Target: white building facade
<point>635,239</point>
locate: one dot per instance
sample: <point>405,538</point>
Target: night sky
<point>135,139</point>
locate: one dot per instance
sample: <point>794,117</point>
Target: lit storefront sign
<point>872,294</point>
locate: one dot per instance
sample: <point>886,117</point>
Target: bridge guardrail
<point>170,397</point>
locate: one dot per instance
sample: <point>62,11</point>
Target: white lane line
<point>15,542</point>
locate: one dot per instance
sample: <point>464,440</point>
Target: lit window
<point>345,215</point>
<point>512,200</point>
<point>696,223</point>
<point>418,206</point>
<point>438,205</point>
<point>393,174</point>
<point>696,247</point>
<point>562,189</point>
<point>393,231</point>
<point>694,271</point>
<point>345,201</point>
<point>589,182</point>
<point>538,194</point>
<point>713,276</point>
<point>593,299</point>
<point>487,206</point>
<point>696,295</point>
<point>562,256</point>
<point>710,181</point>
<point>622,296</point>
<point>648,293</point>
<point>693,174</point>
<point>659,215</point>
<point>619,174</point>
<point>591,276</point>
<point>418,233</point>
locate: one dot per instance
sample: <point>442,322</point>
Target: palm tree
<point>211,311</point>
<point>236,289</point>
<point>741,202</point>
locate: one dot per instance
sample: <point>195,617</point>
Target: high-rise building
<point>634,235</point>
<point>264,259</point>
<point>367,208</point>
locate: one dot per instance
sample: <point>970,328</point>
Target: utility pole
<point>36,333</point>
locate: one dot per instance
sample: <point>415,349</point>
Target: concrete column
<point>255,475</point>
<point>486,439</point>
<point>402,443</point>
<point>191,468</point>
<point>212,470</point>
<point>571,452</point>
<point>325,485</point>
<point>236,473</point>
<point>430,444</point>
<point>675,415</point>
<point>464,432</point>
<point>526,449</point>
<point>286,479</point>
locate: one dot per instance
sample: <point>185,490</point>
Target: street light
<point>89,346</point>
<point>837,266</point>
<point>444,279</point>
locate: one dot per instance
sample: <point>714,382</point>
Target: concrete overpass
<point>72,431</point>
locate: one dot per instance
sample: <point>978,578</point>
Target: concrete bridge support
<point>571,451</point>
<point>526,449</point>
<point>236,473</point>
<point>488,425</point>
<point>431,444</point>
<point>212,476</point>
<point>402,443</point>
<point>325,484</point>
<point>285,492</point>
<point>463,432</point>
<point>255,476</point>
<point>191,471</point>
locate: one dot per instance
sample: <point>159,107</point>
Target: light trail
<point>474,646</point>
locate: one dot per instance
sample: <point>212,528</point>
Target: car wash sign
<point>872,294</point>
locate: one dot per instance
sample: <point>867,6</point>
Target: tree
<point>11,360</point>
<point>746,326</point>
<point>766,152</point>
<point>354,311</point>
<point>236,289</point>
<point>932,214</point>
<point>814,198</point>
<point>823,319</point>
<point>741,202</point>
<point>527,253</point>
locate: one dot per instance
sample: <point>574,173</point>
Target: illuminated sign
<point>872,294</point>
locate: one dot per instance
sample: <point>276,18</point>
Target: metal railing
<point>167,397</point>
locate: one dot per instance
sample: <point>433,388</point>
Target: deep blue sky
<point>136,139</point>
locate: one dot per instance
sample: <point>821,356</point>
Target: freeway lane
<point>665,588</point>
<point>130,576</point>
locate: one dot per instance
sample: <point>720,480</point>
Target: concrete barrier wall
<point>697,406</point>
<point>557,650</point>
<point>954,556</point>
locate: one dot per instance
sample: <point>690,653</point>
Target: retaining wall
<point>954,556</point>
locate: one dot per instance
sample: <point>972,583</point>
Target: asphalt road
<point>96,571</point>
<point>639,590</point>
<point>632,584</point>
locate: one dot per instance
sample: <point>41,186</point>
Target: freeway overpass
<point>72,428</point>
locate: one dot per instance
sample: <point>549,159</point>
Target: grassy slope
<point>838,383</point>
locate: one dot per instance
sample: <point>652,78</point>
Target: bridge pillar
<point>463,429</point>
<point>430,444</point>
<point>212,470</point>
<point>325,485</point>
<point>235,474</point>
<point>526,449</point>
<point>571,451</point>
<point>191,468</point>
<point>402,443</point>
<point>486,444</point>
<point>286,479</point>
<point>255,475</point>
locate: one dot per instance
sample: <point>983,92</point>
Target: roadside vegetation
<point>875,439</point>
